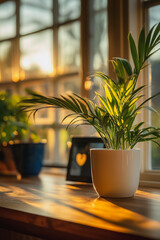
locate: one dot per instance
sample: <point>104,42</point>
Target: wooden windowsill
<point>49,207</point>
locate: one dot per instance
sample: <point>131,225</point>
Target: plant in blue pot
<point>115,169</point>
<point>21,149</point>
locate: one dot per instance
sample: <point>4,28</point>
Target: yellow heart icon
<point>81,159</point>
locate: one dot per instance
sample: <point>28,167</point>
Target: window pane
<point>69,9</point>
<point>96,87</point>
<point>44,116</point>
<point>37,54</point>
<point>154,18</point>
<point>35,15</point>
<point>47,134</point>
<point>40,3</point>
<point>154,15</point>
<point>67,85</point>
<point>69,48</point>
<point>100,51</point>
<point>100,4</point>
<point>60,142</point>
<point>7,20</point>
<point>6,61</point>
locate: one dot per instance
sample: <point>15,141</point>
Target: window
<point>148,15</point>
<point>152,17</point>
<point>42,47</point>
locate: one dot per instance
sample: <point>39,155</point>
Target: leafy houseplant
<point>114,116</point>
<point>15,132</point>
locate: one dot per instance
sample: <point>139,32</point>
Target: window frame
<point>148,177</point>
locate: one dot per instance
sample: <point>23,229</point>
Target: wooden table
<point>51,208</point>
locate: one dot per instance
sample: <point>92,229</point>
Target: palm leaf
<point>134,53</point>
<point>126,65</point>
<point>141,47</point>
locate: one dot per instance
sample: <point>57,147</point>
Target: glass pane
<point>100,4</point>
<point>7,20</point>
<point>69,10</point>
<point>100,51</point>
<point>48,135</point>
<point>96,87</point>
<point>40,3</point>
<point>37,54</point>
<point>67,85</point>
<point>154,18</point>
<point>44,116</point>
<point>69,48</point>
<point>6,61</point>
<point>35,15</point>
<point>61,143</point>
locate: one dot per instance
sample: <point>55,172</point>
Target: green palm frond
<point>114,115</point>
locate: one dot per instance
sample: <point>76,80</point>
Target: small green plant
<point>114,116</point>
<point>13,122</point>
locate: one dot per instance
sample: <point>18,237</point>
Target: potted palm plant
<point>20,146</point>
<point>115,169</point>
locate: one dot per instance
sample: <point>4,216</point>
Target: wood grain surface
<point>51,208</point>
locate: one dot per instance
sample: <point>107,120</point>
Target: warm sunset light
<point>15,76</point>
<point>148,195</point>
<point>40,60</point>
<point>22,75</point>
<point>69,144</point>
<point>88,84</point>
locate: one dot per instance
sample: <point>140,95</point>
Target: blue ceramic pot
<point>28,158</point>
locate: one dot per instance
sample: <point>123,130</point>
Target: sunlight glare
<point>41,60</point>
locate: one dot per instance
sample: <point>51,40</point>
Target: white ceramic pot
<point>115,173</point>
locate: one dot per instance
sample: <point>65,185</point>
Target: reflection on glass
<point>67,85</point>
<point>69,9</point>
<point>37,54</point>
<point>7,20</point>
<point>35,15</point>
<point>100,60</point>
<point>6,61</point>
<point>154,18</point>
<point>69,48</point>
<point>100,4</point>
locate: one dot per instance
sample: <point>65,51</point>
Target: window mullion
<point>85,60</point>
<point>118,28</point>
<point>55,36</point>
<point>16,54</point>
